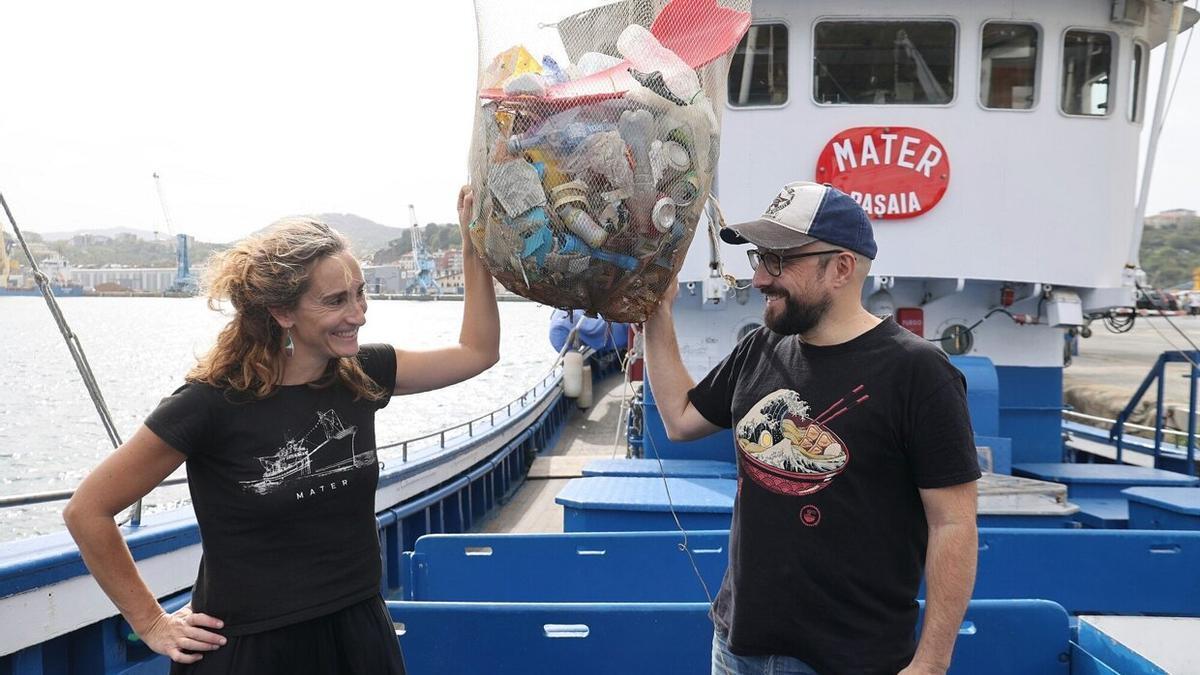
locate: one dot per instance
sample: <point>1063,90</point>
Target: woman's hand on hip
<point>182,636</point>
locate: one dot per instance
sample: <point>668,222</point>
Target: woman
<point>276,424</point>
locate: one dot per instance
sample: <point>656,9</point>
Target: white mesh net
<point>595,144</point>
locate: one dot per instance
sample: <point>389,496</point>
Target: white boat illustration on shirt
<point>294,460</point>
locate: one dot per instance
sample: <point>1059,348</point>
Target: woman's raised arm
<point>478,345</point>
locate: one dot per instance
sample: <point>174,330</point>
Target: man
<point>856,460</point>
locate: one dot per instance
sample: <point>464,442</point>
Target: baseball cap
<point>805,212</point>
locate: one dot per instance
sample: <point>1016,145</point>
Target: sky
<point>255,110</point>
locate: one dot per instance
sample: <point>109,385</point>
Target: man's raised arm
<point>668,378</point>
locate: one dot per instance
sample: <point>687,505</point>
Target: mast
<point>1160,114</point>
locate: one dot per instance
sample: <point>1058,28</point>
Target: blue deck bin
<point>1163,508</point>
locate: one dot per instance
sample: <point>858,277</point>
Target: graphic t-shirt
<point>829,534</point>
<point>284,493</point>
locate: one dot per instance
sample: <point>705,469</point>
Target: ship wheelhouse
<point>995,145</point>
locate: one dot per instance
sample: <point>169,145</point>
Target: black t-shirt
<point>284,493</point>
<point>829,533</point>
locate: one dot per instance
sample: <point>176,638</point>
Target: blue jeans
<point>725,662</point>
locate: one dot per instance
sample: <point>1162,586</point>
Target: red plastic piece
<point>699,31</point>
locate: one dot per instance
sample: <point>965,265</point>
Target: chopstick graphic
<point>822,417</point>
<point>827,420</point>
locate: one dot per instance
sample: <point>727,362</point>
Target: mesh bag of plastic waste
<point>595,143</point>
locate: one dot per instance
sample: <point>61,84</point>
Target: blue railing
<point>1157,375</point>
<point>526,426</point>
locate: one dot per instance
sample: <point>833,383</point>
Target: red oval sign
<point>893,172</point>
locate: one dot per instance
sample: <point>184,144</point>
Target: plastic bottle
<point>637,130</point>
<point>647,54</point>
<point>560,134</point>
<point>623,261</point>
<point>572,244</point>
<point>582,225</point>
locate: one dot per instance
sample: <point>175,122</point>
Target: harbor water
<point>141,348</point>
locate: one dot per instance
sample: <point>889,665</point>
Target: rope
<point>716,221</point>
<point>76,348</point>
<point>683,546</point>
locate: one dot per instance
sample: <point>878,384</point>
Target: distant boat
<point>59,290</point>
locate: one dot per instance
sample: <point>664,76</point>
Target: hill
<point>366,236</point>
<point>127,251</point>
<point>436,237</point>
<point>1169,255</point>
<point>110,232</point>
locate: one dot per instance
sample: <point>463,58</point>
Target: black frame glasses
<point>774,261</point>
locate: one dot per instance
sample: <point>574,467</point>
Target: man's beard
<point>798,318</point>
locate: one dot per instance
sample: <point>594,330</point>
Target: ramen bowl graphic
<point>804,461</point>
<point>789,452</point>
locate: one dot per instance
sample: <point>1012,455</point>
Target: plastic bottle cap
<point>664,214</point>
<point>676,156</point>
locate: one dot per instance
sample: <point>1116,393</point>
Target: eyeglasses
<point>774,261</point>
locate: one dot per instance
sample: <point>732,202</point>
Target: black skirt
<point>357,640</point>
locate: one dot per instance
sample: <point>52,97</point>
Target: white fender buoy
<point>585,393</point>
<point>572,374</point>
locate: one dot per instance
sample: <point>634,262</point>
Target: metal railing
<point>29,499</point>
<point>1157,376</point>
<point>1128,425</point>
<point>543,385</point>
<point>469,425</point>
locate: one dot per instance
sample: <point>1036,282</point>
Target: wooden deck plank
<point>588,435</point>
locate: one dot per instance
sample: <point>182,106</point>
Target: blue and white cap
<point>805,212</point>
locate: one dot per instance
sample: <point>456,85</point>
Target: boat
<point>1088,556</point>
<point>294,460</point>
<point>69,290</point>
<point>57,270</point>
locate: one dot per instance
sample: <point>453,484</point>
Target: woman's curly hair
<point>270,270</point>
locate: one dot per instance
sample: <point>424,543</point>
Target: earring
<point>289,347</point>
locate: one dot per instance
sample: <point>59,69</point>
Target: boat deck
<point>1168,642</point>
<point>596,433</point>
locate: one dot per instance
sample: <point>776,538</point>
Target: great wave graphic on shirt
<point>326,449</point>
<point>786,450</point>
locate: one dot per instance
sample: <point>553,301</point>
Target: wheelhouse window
<point>758,73</point>
<point>884,62</point>
<point>1008,66</point>
<point>1137,79</point>
<point>1087,73</point>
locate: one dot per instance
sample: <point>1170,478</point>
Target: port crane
<point>185,282</point>
<point>422,282</point>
